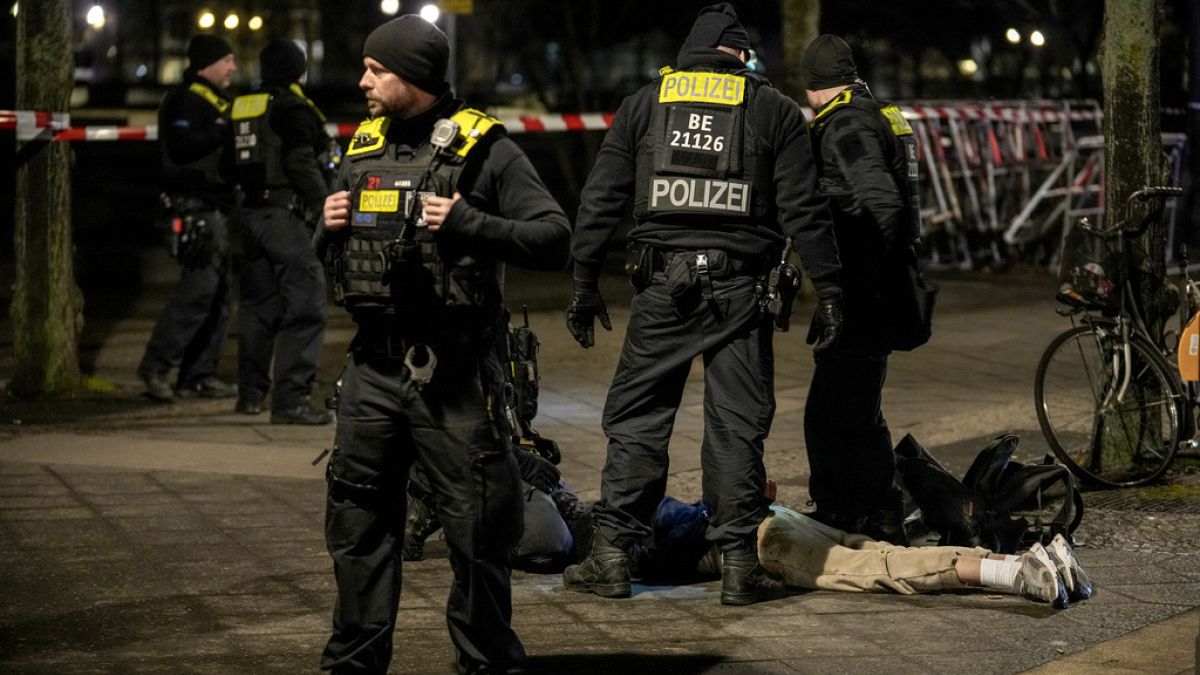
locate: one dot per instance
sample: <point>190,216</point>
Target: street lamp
<point>95,17</point>
<point>968,67</point>
<point>389,7</point>
<point>1013,35</point>
<point>1037,39</point>
<point>206,19</point>
<point>255,23</point>
<point>430,13</point>
<point>231,21</point>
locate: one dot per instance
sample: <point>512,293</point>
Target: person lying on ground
<point>803,552</point>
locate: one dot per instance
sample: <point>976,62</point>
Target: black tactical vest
<point>389,260</point>
<point>699,154</point>
<point>902,159</point>
<point>258,148</point>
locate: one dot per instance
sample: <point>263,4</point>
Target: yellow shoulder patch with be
<point>473,125</point>
<point>250,106</point>
<point>370,136</point>
<point>687,86</point>
<point>900,126</point>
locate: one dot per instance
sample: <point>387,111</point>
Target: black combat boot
<point>420,523</point>
<point>744,581</point>
<point>887,522</point>
<point>604,572</point>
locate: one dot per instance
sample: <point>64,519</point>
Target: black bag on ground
<point>1000,504</point>
<point>908,299</point>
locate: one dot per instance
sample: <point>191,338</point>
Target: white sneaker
<point>1079,586</point>
<point>1039,580</point>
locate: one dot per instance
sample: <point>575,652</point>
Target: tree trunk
<point>1133,155</point>
<point>801,25</point>
<point>47,307</point>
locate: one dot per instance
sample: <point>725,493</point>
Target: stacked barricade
<point>999,179</point>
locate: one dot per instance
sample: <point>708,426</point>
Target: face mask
<point>752,61</point>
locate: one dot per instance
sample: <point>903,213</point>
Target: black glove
<point>586,305</point>
<point>826,325</point>
<point>538,472</point>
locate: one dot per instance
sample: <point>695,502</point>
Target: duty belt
<point>736,266</point>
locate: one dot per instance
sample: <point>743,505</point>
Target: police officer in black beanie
<point>718,166</point>
<point>283,158</point>
<point>194,130</point>
<point>868,166</point>
<point>432,200</point>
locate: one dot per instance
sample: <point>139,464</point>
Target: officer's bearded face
<point>220,72</point>
<point>386,92</point>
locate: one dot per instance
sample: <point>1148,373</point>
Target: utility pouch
<point>681,276</point>
<point>782,282</point>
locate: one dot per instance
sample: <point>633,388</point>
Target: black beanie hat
<point>716,26</point>
<point>204,50</point>
<point>828,63</point>
<point>412,48</point>
<point>281,62</point>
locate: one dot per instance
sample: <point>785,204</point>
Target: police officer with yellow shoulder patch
<point>282,156</point>
<point>432,200</point>
<point>867,160</point>
<point>718,165</point>
<point>194,130</point>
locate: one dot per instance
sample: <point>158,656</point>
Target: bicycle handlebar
<point>1144,194</point>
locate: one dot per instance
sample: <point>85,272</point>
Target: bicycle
<point>1111,406</point>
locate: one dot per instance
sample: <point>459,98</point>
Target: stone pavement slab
<point>141,538</point>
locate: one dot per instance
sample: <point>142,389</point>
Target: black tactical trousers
<point>191,330</point>
<point>665,335</point>
<point>849,445</point>
<point>282,309</point>
<point>454,426</point>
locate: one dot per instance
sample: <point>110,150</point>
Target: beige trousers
<point>809,554</point>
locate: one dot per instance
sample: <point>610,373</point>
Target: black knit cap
<point>717,26</point>
<point>281,62</point>
<point>204,50</point>
<point>412,48</point>
<point>828,63</point>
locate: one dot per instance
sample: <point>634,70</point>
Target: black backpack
<point>1000,504</point>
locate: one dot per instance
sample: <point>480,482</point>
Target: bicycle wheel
<point>1112,420</point>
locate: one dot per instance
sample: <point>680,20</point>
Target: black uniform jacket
<point>192,137</point>
<point>862,165</point>
<point>785,168</point>
<point>303,136</point>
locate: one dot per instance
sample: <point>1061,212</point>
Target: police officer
<point>194,124</point>
<point>431,201</point>
<point>280,152</point>
<point>719,168</point>
<point>868,170</point>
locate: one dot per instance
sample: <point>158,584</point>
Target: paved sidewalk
<point>184,538</point>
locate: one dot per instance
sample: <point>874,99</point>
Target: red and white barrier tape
<point>34,125</point>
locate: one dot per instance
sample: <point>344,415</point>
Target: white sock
<point>1011,558</point>
<point>998,573</point>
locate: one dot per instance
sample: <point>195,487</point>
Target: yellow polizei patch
<point>700,87</point>
<point>900,126</point>
<point>250,106</point>
<point>379,201</point>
